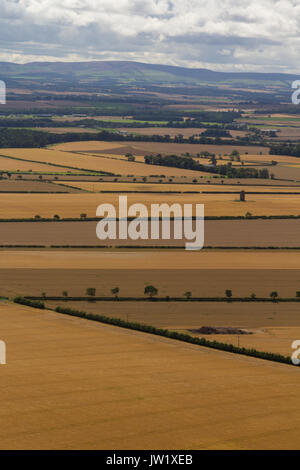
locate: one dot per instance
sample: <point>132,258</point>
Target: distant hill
<point>134,73</point>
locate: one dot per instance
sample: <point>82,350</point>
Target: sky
<point>224,35</point>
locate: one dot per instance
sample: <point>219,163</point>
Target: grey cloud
<point>235,34</point>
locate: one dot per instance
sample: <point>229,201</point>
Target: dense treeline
<point>290,149</point>
<point>31,138</point>
<point>29,303</point>
<point>188,163</point>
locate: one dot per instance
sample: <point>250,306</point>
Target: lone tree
<point>274,295</point>
<point>151,291</point>
<point>298,293</point>
<point>242,196</point>
<point>91,291</point>
<point>65,293</point>
<point>130,157</point>
<point>253,296</point>
<point>228,293</point>
<point>83,216</point>
<point>115,291</point>
<point>56,217</point>
<point>187,295</point>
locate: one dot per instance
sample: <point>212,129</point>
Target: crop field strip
<point>186,384</point>
<point>267,259</point>
<point>32,275</point>
<point>21,186</point>
<point>19,165</point>
<point>72,205</point>
<point>91,163</point>
<point>96,186</point>
<point>142,148</point>
<point>270,339</point>
<point>218,233</point>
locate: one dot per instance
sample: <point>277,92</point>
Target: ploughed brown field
<point>71,383</point>
<point>218,233</point>
<point>142,148</point>
<point>72,205</point>
<point>205,274</point>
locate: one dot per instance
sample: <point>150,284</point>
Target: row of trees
<point>190,163</point>
<point>27,138</point>
<point>290,149</point>
<point>152,291</point>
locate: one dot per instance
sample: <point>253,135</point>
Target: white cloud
<point>236,34</point>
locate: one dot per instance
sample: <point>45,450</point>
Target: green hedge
<point>164,299</point>
<point>175,335</point>
<point>29,303</point>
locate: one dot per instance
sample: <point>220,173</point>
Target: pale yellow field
<point>273,326</point>
<point>138,158</point>
<point>98,163</point>
<point>165,187</point>
<point>269,158</point>
<point>140,148</point>
<point>88,145</point>
<point>149,260</point>
<point>72,205</point>
<point>7,164</point>
<point>277,340</point>
<point>75,384</point>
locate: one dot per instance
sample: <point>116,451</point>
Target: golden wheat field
<point>167,187</point>
<point>7,164</point>
<point>269,158</point>
<point>142,148</point>
<point>81,259</point>
<point>71,383</point>
<point>273,326</point>
<point>29,205</point>
<point>96,163</point>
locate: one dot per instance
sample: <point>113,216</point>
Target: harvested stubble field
<point>171,131</point>
<point>173,187</point>
<point>269,158</point>
<point>138,158</point>
<point>34,186</point>
<point>205,274</point>
<point>287,172</point>
<point>273,326</point>
<point>214,182</point>
<point>72,205</point>
<point>143,148</point>
<point>195,260</point>
<point>95,163</point>
<point>8,164</point>
<point>72,383</point>
<point>65,130</point>
<point>218,233</point>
